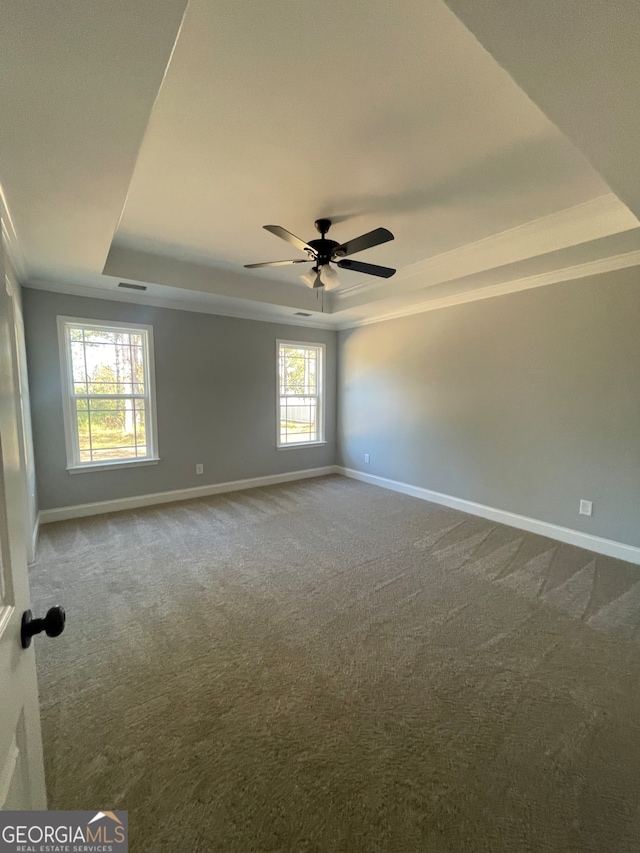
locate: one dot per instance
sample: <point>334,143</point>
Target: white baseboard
<point>100,507</point>
<point>599,545</point>
<point>608,547</point>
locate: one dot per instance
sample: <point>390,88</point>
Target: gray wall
<point>216,400</point>
<point>526,402</point>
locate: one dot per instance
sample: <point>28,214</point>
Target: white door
<point>21,766</point>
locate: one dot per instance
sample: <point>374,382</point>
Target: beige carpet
<point>328,666</point>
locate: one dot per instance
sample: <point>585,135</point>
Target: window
<point>300,384</point>
<point>108,390</point>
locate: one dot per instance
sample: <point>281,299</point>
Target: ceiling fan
<point>322,252</point>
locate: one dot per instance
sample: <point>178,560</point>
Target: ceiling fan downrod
<point>322,225</point>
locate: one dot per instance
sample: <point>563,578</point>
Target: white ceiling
<point>390,115</point>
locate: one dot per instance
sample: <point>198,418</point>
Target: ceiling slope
<point>78,85</point>
<point>578,61</point>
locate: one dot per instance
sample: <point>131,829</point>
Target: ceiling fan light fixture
<point>310,277</point>
<point>329,277</point>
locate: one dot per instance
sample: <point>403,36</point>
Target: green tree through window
<point>300,393</point>
<point>110,400</point>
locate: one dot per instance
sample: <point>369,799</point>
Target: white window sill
<point>110,466</point>
<point>301,444</point>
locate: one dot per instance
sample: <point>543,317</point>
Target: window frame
<point>72,442</point>
<point>320,426</point>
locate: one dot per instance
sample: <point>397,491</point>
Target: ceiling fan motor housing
<point>324,249</point>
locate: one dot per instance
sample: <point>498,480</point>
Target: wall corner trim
<point>46,516</point>
<point>607,547</point>
<point>11,240</point>
<point>34,540</point>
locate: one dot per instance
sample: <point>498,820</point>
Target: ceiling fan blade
<point>278,263</point>
<point>369,269</point>
<point>365,241</point>
<point>291,238</point>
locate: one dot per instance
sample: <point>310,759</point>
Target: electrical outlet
<point>586,507</point>
<point>366,458</point>
<point>199,468</point>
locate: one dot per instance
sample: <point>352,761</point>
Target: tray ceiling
<point>156,145</point>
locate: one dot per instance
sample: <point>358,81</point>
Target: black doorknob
<point>52,624</point>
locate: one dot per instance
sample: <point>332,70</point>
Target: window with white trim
<point>300,389</point>
<point>109,395</point>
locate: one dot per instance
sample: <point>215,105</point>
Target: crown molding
<point>590,268</point>
<point>321,321</point>
<point>598,217</point>
<point>329,321</point>
<point>11,241</point>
